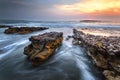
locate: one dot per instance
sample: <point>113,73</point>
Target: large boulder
<point>23,30</point>
<point>43,46</point>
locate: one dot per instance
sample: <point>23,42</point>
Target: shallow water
<point>69,62</point>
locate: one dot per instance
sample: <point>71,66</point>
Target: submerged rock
<point>68,37</point>
<point>105,52</point>
<point>43,46</point>
<point>23,30</point>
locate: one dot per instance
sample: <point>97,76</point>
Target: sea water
<point>69,62</point>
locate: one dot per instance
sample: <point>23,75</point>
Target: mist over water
<point>59,24</point>
<point>69,62</point>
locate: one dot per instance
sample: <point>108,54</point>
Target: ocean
<point>60,24</point>
<point>69,62</point>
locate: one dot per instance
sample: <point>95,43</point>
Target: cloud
<point>98,7</point>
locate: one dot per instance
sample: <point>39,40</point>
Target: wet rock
<point>76,42</point>
<point>98,58</point>
<point>4,26</point>
<point>110,75</point>
<point>68,37</point>
<point>105,52</point>
<point>43,46</point>
<point>23,30</point>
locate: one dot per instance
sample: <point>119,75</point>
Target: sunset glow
<point>101,7</point>
<point>60,10</point>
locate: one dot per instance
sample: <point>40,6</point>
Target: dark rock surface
<point>43,46</point>
<point>23,30</point>
<point>105,52</point>
<point>68,37</point>
<point>4,26</point>
<point>91,21</point>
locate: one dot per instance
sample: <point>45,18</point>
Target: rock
<point>68,37</point>
<point>23,30</point>
<point>97,57</point>
<point>110,75</point>
<point>105,52</point>
<point>5,26</point>
<point>76,42</point>
<point>43,46</point>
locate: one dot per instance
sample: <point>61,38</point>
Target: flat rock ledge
<point>23,30</point>
<point>105,52</point>
<point>43,46</point>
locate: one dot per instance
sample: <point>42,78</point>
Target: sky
<point>58,10</point>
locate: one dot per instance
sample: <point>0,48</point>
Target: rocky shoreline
<point>43,46</point>
<point>105,52</point>
<point>23,30</point>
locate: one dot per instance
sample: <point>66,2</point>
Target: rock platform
<point>23,30</point>
<point>104,50</point>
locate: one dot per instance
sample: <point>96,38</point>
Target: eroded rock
<point>23,30</point>
<point>110,75</point>
<point>105,52</point>
<point>43,46</point>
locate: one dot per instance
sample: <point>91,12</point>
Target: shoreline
<point>67,32</point>
<point>102,52</point>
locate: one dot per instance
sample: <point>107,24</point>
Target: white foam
<point>8,52</point>
<point>12,47</point>
<point>76,54</point>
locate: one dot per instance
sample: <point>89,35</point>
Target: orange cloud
<point>103,7</point>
